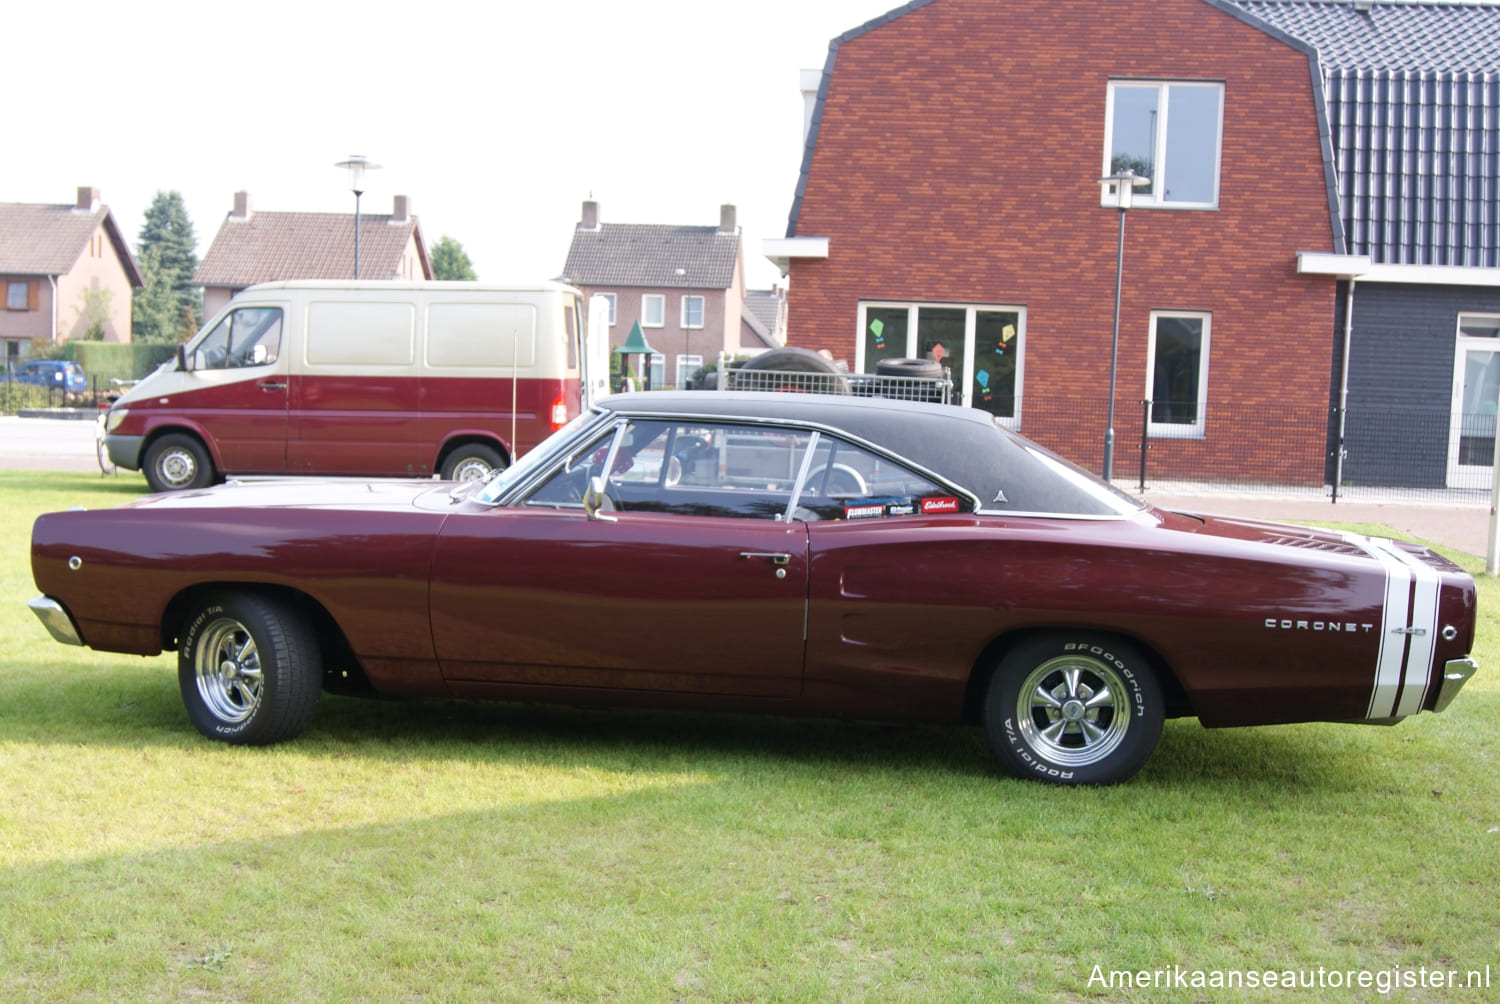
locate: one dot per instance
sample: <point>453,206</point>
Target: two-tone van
<point>405,379</point>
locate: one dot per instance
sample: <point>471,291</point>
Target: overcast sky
<point>497,118</point>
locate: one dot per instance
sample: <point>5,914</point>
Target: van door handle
<point>268,385</point>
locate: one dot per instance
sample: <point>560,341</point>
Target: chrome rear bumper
<point>1456,673</point>
<point>55,619</point>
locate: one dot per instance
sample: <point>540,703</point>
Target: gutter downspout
<point>1338,457</point>
<point>52,282</point>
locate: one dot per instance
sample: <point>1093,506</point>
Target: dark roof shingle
<point>649,254</point>
<point>271,246</point>
<point>48,239</point>
<point>1415,37</point>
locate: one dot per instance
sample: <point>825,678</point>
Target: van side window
<point>247,337</point>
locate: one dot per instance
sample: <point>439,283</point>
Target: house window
<point>658,369</point>
<point>1177,374</point>
<point>653,310</point>
<point>15,296</point>
<point>692,311</point>
<point>1169,132</point>
<point>687,368</point>
<point>611,298</point>
<point>980,345</point>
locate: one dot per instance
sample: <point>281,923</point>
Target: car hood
<point>309,493</point>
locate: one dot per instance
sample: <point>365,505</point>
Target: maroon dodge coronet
<point>782,553</point>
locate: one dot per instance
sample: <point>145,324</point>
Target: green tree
<point>450,261</point>
<point>168,231</point>
<point>155,310</point>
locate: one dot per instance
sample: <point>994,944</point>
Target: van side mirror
<point>181,356</point>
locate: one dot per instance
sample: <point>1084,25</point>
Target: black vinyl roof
<point>963,446</point>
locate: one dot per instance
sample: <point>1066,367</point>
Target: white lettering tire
<point>249,669</point>
<point>1073,708</point>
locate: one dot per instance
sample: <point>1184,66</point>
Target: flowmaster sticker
<point>870,508</point>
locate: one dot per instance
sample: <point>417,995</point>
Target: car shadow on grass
<point>137,705</point>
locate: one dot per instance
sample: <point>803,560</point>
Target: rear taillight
<point>559,414</point>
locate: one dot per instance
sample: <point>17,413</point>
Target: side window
<point>846,481</point>
<point>247,337</point>
<point>690,468</point>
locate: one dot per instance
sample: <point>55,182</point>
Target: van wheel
<point>471,462</point>
<point>176,462</point>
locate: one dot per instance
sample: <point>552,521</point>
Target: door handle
<point>776,558</point>
<point>268,385</point>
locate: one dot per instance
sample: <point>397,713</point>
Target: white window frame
<point>1148,198</point>
<point>658,370</point>
<point>1462,475</point>
<point>1180,430</point>
<point>611,298</point>
<point>683,320</point>
<point>687,365</point>
<point>962,394</point>
<point>653,303</point>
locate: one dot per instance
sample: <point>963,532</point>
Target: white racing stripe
<point>1407,616</point>
<point>1423,624</point>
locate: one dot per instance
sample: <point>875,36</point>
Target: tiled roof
<point>271,246</point>
<point>1410,92</point>
<point>752,328</point>
<point>765,305</point>
<point>1434,37</point>
<point>648,254</point>
<point>48,239</point>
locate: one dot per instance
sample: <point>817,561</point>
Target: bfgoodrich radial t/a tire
<point>1072,708</point>
<point>249,669</point>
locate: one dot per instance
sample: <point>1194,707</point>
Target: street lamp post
<point>1125,183</point>
<point>357,164</point>
<point>686,330</point>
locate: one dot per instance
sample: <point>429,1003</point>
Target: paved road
<point>46,444</point>
<point>56,445</point>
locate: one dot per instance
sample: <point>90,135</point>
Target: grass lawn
<point>448,852</point>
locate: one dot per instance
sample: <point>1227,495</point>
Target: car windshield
<point>493,488</point>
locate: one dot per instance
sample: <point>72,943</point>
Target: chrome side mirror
<point>596,503</point>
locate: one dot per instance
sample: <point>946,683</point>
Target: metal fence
<point>1371,452</point>
<point>938,390</point>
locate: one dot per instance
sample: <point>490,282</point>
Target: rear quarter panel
<point>905,608</point>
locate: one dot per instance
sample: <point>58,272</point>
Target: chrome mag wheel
<point>1071,710</point>
<point>228,671</point>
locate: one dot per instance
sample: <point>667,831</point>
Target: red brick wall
<point>957,162</point>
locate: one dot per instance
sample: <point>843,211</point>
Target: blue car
<point>52,373</point>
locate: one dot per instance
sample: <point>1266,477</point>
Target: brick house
<point>253,247</point>
<point>685,285</point>
<point>1410,94</point>
<point>949,204</point>
<point>52,257</point>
